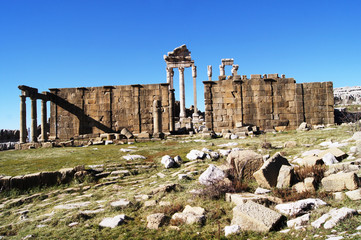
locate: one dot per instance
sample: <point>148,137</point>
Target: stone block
<point>285,176</point>
<point>340,181</point>
<point>156,220</point>
<point>252,216</point>
<point>31,180</point>
<point>267,175</point>
<point>5,183</point>
<point>246,162</point>
<point>49,178</point>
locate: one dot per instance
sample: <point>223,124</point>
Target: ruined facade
<point>265,101</point>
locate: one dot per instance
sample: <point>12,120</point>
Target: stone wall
<point>266,102</point>
<point>94,110</point>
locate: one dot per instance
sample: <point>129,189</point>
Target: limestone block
<point>246,162</point>
<point>285,176</point>
<point>112,222</point>
<point>242,198</point>
<point>252,216</point>
<point>340,181</point>
<point>49,178</point>
<point>334,151</point>
<point>5,182</point>
<point>339,196</point>
<point>311,161</point>
<point>17,182</point>
<point>267,175</point>
<point>31,180</point>
<point>299,222</point>
<point>354,195</point>
<point>211,175</point>
<point>299,207</point>
<point>156,220</point>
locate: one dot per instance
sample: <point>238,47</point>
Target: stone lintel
<point>164,84</point>
<point>136,85</point>
<point>227,61</point>
<point>180,64</point>
<point>209,82</point>
<point>270,80</point>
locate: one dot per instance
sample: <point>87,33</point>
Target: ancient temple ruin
<point>231,102</point>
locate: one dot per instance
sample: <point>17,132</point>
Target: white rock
<point>338,216</point>
<point>72,205</point>
<point>354,195</point>
<point>112,222</point>
<point>195,154</point>
<point>120,203</point>
<point>168,162</point>
<point>262,191</point>
<point>133,157</point>
<point>285,230</point>
<point>211,175</point>
<point>126,150</point>
<point>234,229</point>
<point>73,224</point>
<point>224,152</point>
<point>183,177</point>
<point>329,159</point>
<point>353,149</point>
<point>230,144</point>
<point>234,136</point>
<point>298,222</point>
<point>299,207</point>
<point>178,160</point>
<point>313,152</point>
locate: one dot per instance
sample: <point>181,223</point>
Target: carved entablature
<point>179,57</point>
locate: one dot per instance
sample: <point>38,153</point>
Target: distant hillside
<point>347,95</point>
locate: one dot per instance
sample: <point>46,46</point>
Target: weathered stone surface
<point>340,181</point>
<point>133,157</point>
<point>246,162</point>
<point>126,133</point>
<point>354,195</point>
<point>191,215</point>
<point>66,175</point>
<point>299,222</point>
<point>304,127</point>
<point>340,196</point>
<point>329,159</point>
<point>290,144</point>
<point>156,220</point>
<point>120,173</point>
<point>333,217</point>
<point>150,203</point>
<point>311,161</point>
<point>343,166</point>
<point>262,191</point>
<point>211,175</point>
<point>31,180</point>
<point>233,229</point>
<point>285,176</point>
<point>49,178</point>
<point>241,198</point>
<point>73,205</point>
<point>195,154</point>
<point>339,155</point>
<point>120,203</point>
<point>163,188</point>
<point>252,216</point>
<point>112,222</point>
<point>299,207</point>
<point>267,175</point>
<point>169,162</point>
<point>5,182</point>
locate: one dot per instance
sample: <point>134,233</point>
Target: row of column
<point>170,74</point>
<point>33,127</point>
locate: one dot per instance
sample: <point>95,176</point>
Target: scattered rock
<point>245,162</point>
<point>169,162</point>
<point>191,215</point>
<point>285,176</point>
<point>195,154</point>
<point>241,198</point>
<point>299,207</point>
<point>299,222</point>
<point>252,216</point>
<point>211,175</point>
<point>339,155</point>
<point>150,203</point>
<point>333,217</point>
<point>133,157</point>
<point>290,144</point>
<point>72,205</point>
<point>112,222</point>
<point>329,159</point>
<point>262,191</point>
<point>233,229</point>
<point>163,188</point>
<point>156,220</point>
<point>354,195</point>
<point>267,175</point>
<point>340,181</point>
<point>304,127</point>
<point>120,203</point>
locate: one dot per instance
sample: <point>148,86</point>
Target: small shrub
<point>176,222</point>
<point>170,210</point>
<point>217,190</point>
<point>316,171</point>
<point>290,195</point>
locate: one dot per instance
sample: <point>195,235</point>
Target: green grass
<point>218,212</point>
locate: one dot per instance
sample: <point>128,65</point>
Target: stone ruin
<point>232,102</point>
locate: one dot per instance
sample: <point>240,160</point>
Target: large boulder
<point>252,216</point>
<point>340,181</point>
<point>211,175</point>
<point>195,154</point>
<point>267,175</point>
<point>169,162</point>
<point>245,162</point>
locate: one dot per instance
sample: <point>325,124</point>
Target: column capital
<point>181,69</point>
<point>194,71</point>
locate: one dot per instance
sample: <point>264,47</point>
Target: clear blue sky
<point>73,43</point>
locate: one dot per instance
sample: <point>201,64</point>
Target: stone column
<point>182,113</point>
<point>171,111</point>
<point>22,119</point>
<point>156,116</point>
<point>34,123</point>
<point>44,136</point>
<point>221,70</point>
<point>234,70</point>
<point>194,75</point>
<point>170,74</point>
<point>209,72</point>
